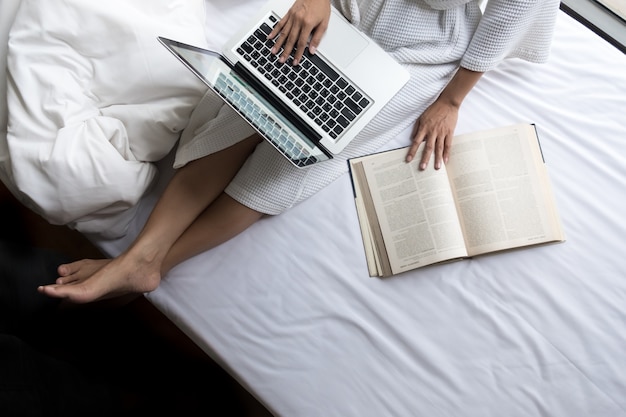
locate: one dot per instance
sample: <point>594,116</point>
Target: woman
<point>445,44</point>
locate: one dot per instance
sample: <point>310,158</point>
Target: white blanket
<point>95,99</point>
<point>8,9</point>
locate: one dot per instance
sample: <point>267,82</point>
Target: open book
<point>494,194</point>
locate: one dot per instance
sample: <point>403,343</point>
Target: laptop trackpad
<point>341,42</point>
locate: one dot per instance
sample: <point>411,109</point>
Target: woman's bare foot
<point>90,280</point>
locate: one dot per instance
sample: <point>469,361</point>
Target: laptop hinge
<point>268,95</point>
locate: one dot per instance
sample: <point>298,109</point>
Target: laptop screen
<point>261,114</point>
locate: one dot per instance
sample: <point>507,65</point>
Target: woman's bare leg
<point>174,225</point>
<point>222,220</point>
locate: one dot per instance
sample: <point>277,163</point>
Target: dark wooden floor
<point>128,346</point>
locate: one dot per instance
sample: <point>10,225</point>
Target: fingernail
<point>312,50</point>
<point>422,166</point>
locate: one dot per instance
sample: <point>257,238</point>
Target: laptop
<point>309,112</point>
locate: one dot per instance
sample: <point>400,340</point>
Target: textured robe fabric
<point>431,38</point>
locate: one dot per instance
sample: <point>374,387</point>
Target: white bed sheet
<point>288,308</point>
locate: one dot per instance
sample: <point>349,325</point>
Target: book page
<point>374,253</point>
<point>415,210</point>
<point>502,190</point>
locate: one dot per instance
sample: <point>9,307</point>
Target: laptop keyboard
<point>282,140</point>
<point>330,100</point>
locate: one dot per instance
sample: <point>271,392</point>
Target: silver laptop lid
<point>268,121</point>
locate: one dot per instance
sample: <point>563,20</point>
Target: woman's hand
<point>435,127</point>
<point>305,19</point>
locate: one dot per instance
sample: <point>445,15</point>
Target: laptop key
<point>352,105</point>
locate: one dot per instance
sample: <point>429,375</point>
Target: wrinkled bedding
<point>288,308</point>
<point>95,99</point>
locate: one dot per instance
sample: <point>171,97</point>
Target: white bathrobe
<point>432,38</point>
<point>91,108</point>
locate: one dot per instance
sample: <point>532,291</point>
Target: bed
<point>288,308</point>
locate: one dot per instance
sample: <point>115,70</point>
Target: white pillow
<point>93,100</point>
